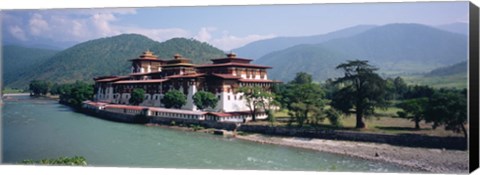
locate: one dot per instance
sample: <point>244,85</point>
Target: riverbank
<point>419,159</point>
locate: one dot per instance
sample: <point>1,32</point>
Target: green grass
<point>384,122</point>
<point>458,81</point>
<point>12,91</point>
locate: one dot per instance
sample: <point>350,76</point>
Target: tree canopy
<point>362,90</point>
<point>39,87</point>
<point>174,99</point>
<point>255,97</point>
<point>204,99</point>
<point>137,96</point>
<point>413,109</point>
<point>448,108</point>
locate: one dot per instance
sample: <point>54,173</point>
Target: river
<point>38,129</point>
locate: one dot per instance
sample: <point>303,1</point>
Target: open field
<point>383,122</point>
<point>458,81</point>
<point>11,91</point>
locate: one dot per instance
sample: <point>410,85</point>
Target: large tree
<point>448,108</point>
<point>256,97</point>
<point>305,101</point>
<point>75,93</point>
<point>137,96</point>
<point>39,87</point>
<point>413,109</point>
<point>303,98</point>
<point>175,99</point>
<point>204,99</point>
<point>362,90</point>
<point>302,78</point>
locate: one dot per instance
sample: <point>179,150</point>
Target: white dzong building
<point>222,77</point>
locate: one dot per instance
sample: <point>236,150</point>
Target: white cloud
<point>204,34</point>
<point>17,32</point>
<point>37,25</point>
<point>227,42</point>
<point>156,34</point>
<point>85,24</point>
<point>101,23</point>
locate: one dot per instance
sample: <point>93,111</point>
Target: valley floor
<point>419,159</point>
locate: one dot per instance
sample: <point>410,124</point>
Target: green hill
<point>394,48</point>
<point>198,52</point>
<point>109,56</point>
<point>459,68</point>
<point>17,60</point>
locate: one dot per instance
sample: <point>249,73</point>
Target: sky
<point>225,27</point>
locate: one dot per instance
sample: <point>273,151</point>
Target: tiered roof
<point>232,61</point>
<point>178,60</point>
<point>147,56</point>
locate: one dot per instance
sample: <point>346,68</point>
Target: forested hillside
<point>17,60</point>
<point>109,56</point>
<point>198,52</point>
<point>459,68</point>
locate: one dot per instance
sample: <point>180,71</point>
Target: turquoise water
<point>39,129</point>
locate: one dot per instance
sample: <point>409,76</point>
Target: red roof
<point>177,111</point>
<point>229,114</point>
<point>226,76</point>
<point>145,73</point>
<point>111,79</point>
<point>126,107</point>
<point>232,65</point>
<point>147,59</point>
<point>140,81</point>
<point>256,81</point>
<point>186,76</point>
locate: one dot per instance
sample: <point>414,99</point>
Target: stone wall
<point>186,122</point>
<point>410,140</point>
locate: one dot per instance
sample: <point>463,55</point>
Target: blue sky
<point>226,27</point>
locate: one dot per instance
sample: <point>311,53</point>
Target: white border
<point>55,4</point>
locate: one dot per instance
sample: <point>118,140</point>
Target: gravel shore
<point>419,159</point>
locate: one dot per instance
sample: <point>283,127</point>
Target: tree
<point>203,99</point>
<point>413,109</point>
<point>137,96</point>
<point>74,94</point>
<point>306,101</point>
<point>448,108</point>
<point>400,87</point>
<point>362,89</point>
<point>303,99</point>
<point>333,116</point>
<point>302,78</point>
<point>39,87</point>
<point>418,91</point>
<point>255,98</point>
<point>174,98</point>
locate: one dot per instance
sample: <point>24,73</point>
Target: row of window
<point>175,115</point>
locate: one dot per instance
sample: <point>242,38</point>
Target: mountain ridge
<point>394,48</point>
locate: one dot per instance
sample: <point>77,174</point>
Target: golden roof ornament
<point>231,55</point>
<point>177,56</point>
<point>148,54</point>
